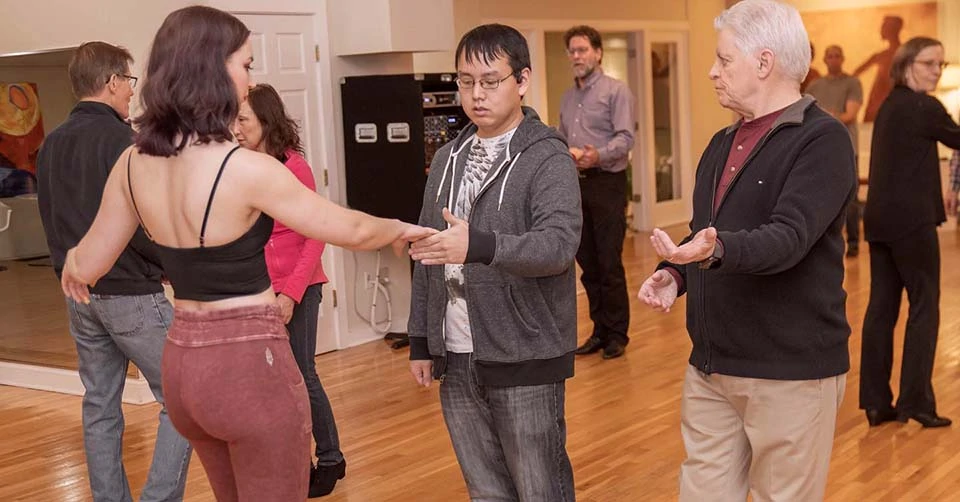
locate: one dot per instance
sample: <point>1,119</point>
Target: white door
<point>284,52</point>
<point>663,166</point>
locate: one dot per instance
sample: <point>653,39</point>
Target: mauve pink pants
<point>233,389</point>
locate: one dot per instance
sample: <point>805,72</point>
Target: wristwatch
<point>714,260</point>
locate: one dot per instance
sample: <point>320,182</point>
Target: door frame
<point>323,159</point>
<point>648,214</point>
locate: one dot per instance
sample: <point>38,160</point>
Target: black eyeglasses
<point>469,83</point>
<point>130,78</point>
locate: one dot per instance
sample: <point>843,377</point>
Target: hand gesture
<point>698,249</point>
<point>411,233</point>
<point>590,157</point>
<point>659,291</point>
<point>422,370</point>
<point>445,248</point>
<point>74,286</point>
<point>286,307</point>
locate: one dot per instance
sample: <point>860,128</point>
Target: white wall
<point>809,5</point>
<point>56,24</point>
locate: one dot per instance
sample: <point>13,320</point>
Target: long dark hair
<point>280,132</point>
<point>188,94</point>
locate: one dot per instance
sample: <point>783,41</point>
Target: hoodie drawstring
<point>506,176</point>
<point>451,161</point>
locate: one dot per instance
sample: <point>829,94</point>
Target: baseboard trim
<point>136,390</point>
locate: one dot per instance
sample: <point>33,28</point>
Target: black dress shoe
<point>929,420</point>
<point>876,417</point>
<point>324,477</point>
<point>592,345</point>
<point>613,349</point>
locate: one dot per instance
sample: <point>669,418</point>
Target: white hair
<point>768,24</point>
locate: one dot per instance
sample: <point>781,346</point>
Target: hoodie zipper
<point>705,338</point>
<point>452,166</point>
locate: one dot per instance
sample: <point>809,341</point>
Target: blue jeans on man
<point>110,332</point>
<point>510,441</point>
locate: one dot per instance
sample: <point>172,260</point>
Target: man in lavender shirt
<point>596,118</point>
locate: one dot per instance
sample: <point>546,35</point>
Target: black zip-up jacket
<point>775,307</point>
<point>72,168</point>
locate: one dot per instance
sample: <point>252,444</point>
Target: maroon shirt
<point>748,135</point>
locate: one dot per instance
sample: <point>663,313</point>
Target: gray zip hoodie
<point>519,275</point>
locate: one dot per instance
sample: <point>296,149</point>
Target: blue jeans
<point>109,333</point>
<point>510,441</point>
<point>303,340</point>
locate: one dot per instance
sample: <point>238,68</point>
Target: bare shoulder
<point>255,166</point>
<point>258,173</point>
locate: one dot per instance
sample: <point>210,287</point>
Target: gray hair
<point>768,24</point>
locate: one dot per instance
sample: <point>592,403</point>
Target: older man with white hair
<point>763,269</point>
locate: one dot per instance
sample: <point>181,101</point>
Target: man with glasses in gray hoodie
<point>494,305</point>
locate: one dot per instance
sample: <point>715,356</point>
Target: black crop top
<point>229,270</point>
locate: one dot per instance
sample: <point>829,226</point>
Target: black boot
<point>324,477</point>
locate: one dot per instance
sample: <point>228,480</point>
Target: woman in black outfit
<point>904,208</point>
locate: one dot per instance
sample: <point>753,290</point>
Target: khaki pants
<point>770,437</point>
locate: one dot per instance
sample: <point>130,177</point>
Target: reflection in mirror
<point>35,97</point>
<point>663,58</point>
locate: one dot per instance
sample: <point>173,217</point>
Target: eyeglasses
<point>578,50</point>
<point>469,83</point>
<point>130,78</point>
<point>931,64</point>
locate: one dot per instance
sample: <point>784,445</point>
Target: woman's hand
<point>286,307</point>
<point>74,286</point>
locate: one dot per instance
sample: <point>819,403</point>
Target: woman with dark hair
<point>904,208</point>
<point>293,261</point>
<point>231,383</point>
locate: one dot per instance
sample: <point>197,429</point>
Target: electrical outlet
<point>367,281</point>
<point>385,275</point>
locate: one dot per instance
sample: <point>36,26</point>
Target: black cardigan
<point>775,307</point>
<point>72,168</point>
<point>905,187</point>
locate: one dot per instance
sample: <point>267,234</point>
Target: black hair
<point>490,42</point>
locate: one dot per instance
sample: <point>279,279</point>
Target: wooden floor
<point>622,415</point>
<point>34,326</point>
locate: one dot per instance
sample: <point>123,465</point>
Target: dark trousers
<point>510,442</point>
<point>854,212</point>
<point>912,262</point>
<point>604,200</point>
<point>303,340</point>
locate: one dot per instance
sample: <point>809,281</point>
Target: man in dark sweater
<point>763,266</point>
<point>128,314</point>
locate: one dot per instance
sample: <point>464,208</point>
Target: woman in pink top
<point>293,262</point>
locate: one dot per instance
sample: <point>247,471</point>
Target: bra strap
<point>134,199</point>
<point>213,190</point>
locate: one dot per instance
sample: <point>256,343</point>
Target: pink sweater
<point>293,260</point>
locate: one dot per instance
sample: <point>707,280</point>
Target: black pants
<point>912,262</point>
<point>604,200</point>
<point>303,340</point>
<point>854,211</point>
